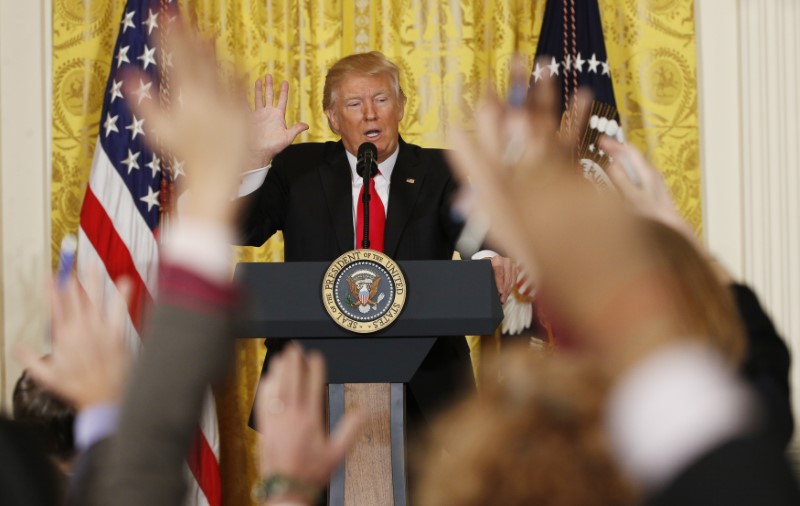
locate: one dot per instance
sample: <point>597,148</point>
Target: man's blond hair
<point>373,63</point>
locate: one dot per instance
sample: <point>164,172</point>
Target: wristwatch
<point>278,485</point>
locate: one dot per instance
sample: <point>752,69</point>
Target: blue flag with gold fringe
<point>572,50</point>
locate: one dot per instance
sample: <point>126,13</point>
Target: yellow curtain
<point>446,50</point>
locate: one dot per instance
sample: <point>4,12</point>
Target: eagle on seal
<point>364,297</point>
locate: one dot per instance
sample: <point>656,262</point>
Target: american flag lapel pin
<point>410,180</point>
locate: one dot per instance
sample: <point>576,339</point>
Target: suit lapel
<point>336,181</point>
<point>407,179</point>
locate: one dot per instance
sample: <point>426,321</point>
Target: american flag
<point>121,213</point>
<point>572,50</point>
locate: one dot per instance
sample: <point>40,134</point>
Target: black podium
<point>445,298</point>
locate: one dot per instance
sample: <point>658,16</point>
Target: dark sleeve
<point>27,476</point>
<point>766,365</point>
<point>743,472</point>
<point>188,346</point>
<point>86,470</point>
<point>263,211</point>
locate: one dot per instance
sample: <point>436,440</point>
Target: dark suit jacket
<point>766,366</point>
<point>27,476</point>
<point>308,195</point>
<point>748,471</point>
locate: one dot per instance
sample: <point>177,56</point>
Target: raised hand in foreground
<point>296,455</point>
<point>90,362</point>
<point>205,125</point>
<point>597,269</point>
<point>645,192</point>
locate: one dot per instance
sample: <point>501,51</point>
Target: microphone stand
<point>366,168</point>
<point>365,199</point>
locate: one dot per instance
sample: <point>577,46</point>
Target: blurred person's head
<point>533,436</point>
<point>678,286</point>
<point>363,101</point>
<point>707,308</point>
<point>27,475</point>
<point>48,416</point>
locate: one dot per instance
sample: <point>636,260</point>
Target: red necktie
<point>377,219</point>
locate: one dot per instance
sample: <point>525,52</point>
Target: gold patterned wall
<point>446,51</point>
<point>653,59</point>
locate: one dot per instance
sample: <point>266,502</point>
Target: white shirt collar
<point>385,167</point>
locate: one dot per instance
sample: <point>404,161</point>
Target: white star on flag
<point>537,73</point>
<point>579,63</point>
<point>605,68</point>
<point>116,90</point>
<point>593,63</point>
<point>122,56</point>
<point>567,63</point>
<point>143,92</point>
<point>136,127</point>
<point>553,67</point>
<point>154,165</point>
<point>177,169</point>
<point>151,21</point>
<point>111,124</point>
<point>147,56</point>
<point>127,22</point>
<point>131,162</point>
<point>151,198</point>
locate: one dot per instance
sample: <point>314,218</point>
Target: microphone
<point>367,156</point>
<point>367,167</point>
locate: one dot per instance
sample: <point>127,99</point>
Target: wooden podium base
<point>374,471</point>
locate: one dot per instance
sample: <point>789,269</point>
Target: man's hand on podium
<point>505,275</point>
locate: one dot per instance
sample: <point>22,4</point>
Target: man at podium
<point>311,192</point>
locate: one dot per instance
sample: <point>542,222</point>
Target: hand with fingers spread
<point>585,247</point>
<point>90,361</point>
<point>294,441</point>
<point>269,132</point>
<point>207,127</point>
<point>643,187</point>
<point>646,192</point>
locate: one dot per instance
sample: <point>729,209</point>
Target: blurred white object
<point>671,408</point>
<point>518,308</point>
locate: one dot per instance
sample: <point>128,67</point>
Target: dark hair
<point>50,417</point>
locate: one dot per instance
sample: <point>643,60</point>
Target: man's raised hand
<point>269,132</point>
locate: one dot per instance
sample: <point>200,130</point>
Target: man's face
<point>366,109</point>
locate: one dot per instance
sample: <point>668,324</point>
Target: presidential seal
<point>364,291</point>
